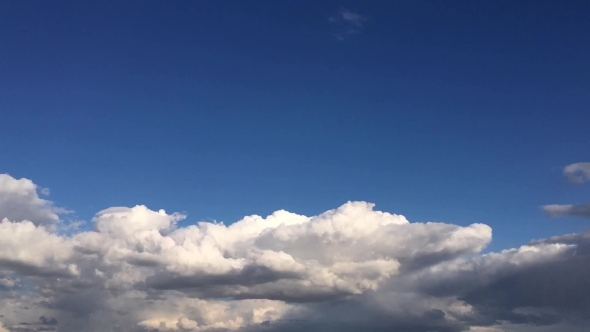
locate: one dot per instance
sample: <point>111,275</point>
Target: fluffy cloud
<point>31,250</point>
<point>19,201</point>
<point>348,269</point>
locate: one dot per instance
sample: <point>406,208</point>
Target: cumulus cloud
<point>578,172</point>
<point>31,250</point>
<point>346,22</point>
<point>347,269</point>
<point>19,200</point>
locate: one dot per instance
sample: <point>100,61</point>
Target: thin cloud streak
<point>347,22</point>
<point>577,173</point>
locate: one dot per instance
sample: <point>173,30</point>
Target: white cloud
<point>19,201</point>
<point>351,267</point>
<point>578,172</point>
<point>31,250</point>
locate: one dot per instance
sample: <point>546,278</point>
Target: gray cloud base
<point>348,269</point>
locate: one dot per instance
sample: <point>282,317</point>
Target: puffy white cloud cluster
<point>347,269</point>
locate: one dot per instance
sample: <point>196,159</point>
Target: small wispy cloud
<point>578,172</point>
<point>347,22</point>
<point>568,210</point>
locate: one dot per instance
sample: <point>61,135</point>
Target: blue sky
<point>452,111</point>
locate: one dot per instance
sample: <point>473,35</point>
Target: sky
<point>472,115</point>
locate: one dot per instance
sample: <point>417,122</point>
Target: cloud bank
<point>348,269</point>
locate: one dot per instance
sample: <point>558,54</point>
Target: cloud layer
<point>348,269</point>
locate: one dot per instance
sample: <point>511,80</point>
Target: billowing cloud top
<point>352,268</point>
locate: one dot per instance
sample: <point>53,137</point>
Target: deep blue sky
<point>453,111</point>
